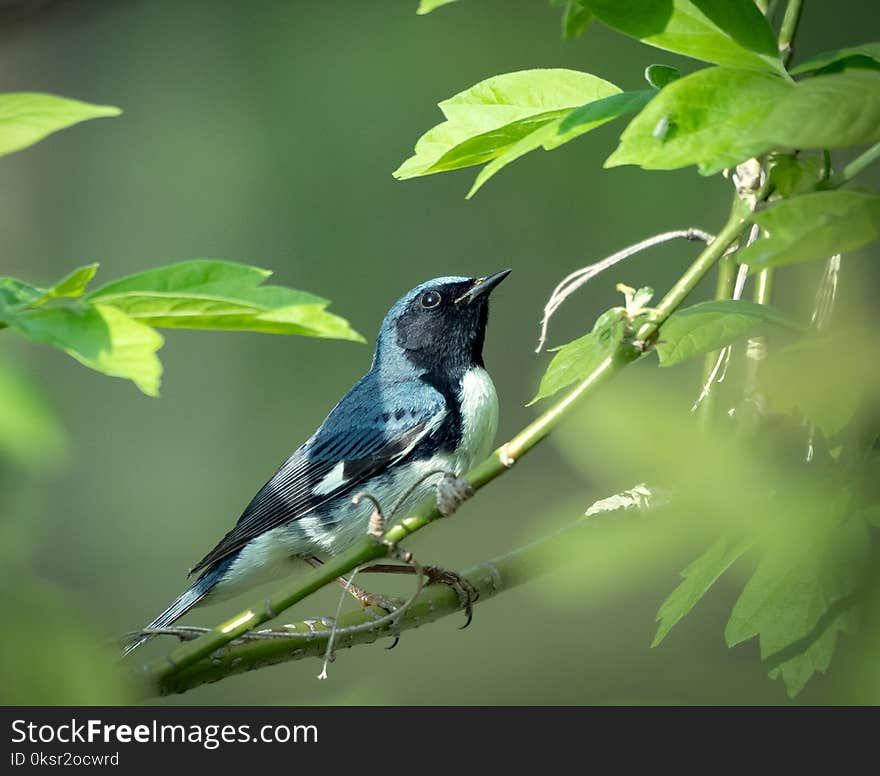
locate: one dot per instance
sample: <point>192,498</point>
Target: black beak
<point>483,286</point>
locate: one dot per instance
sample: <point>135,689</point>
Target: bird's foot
<point>452,492</point>
<point>466,592</point>
<point>387,603</point>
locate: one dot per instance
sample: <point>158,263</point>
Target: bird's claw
<point>466,592</point>
<point>452,492</point>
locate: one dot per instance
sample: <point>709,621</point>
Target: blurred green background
<point>266,132</point>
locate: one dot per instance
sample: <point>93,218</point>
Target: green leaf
<point>578,358</point>
<point>575,19</point>
<point>426,6</point>
<point>598,112</point>
<point>865,56</point>
<point>830,111</point>
<point>661,75</point>
<point>496,113</point>
<point>707,118</point>
<point>708,326</point>
<point>205,294</point>
<point>697,578</point>
<point>26,118</point>
<point>822,378</point>
<point>791,174</point>
<point>572,125</point>
<point>796,671</point>
<point>71,285</point>
<point>100,337</point>
<point>30,433</point>
<point>813,226</point>
<point>726,32</point>
<point>14,292</point>
<point>797,595</point>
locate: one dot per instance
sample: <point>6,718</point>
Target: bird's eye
<point>430,299</point>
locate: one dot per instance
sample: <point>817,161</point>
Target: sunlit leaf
<point>26,118</point>
<point>426,6</point>
<point>813,226</point>
<point>830,111</point>
<point>708,326</point>
<point>491,116</point>
<point>71,285</point>
<point>204,294</point>
<point>707,118</point>
<point>560,131</point>
<point>865,56</point>
<point>579,358</point>
<point>726,32</point>
<point>100,337</point>
<point>697,579</point>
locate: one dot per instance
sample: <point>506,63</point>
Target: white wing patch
<point>331,481</point>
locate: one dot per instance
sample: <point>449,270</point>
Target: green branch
<point>160,672</point>
<point>789,28</point>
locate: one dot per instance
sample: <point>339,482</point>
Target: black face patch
<point>441,336</point>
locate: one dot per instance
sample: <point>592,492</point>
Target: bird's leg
<point>364,597</point>
<point>452,492</point>
<point>436,575</point>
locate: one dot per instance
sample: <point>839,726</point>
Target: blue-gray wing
<point>360,438</point>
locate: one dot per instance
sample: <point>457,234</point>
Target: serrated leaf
<point>829,111</point>
<point>813,226</point>
<point>794,596</point>
<point>577,359</point>
<point>27,117</point>
<point>206,294</point>
<point>560,131</point>
<point>100,337</point>
<point>426,6</point>
<point>707,118</point>
<point>483,121</point>
<point>865,56</point>
<point>797,670</point>
<point>708,326</point>
<point>697,579</point>
<point>661,75</point>
<point>726,32</point>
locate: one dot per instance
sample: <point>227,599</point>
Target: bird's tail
<point>181,605</point>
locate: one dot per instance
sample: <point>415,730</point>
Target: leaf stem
<point>789,29</point>
<point>854,168</point>
<point>727,269</point>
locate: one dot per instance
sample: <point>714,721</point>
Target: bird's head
<point>439,325</point>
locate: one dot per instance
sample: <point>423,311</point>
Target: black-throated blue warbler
<point>427,404</point>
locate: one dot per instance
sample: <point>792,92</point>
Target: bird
<point>426,405</point>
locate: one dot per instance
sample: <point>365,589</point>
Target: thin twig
<point>722,362</point>
<point>578,278</point>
